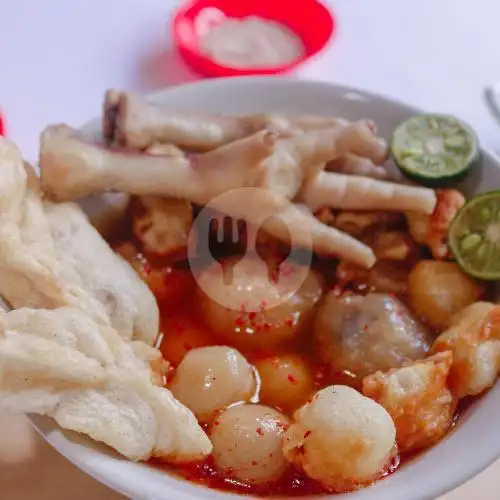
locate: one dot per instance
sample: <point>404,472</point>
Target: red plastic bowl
<point>309,19</point>
<point>2,128</point>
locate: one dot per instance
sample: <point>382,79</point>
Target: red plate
<point>309,19</point>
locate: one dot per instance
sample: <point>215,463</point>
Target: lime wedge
<point>434,150</point>
<point>474,236</point>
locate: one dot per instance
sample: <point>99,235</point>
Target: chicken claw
<point>351,192</point>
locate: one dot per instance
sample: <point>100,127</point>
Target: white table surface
<point>58,57</point>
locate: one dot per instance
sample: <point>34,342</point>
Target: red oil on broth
<point>184,329</point>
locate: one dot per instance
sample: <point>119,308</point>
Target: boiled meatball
<point>247,443</point>
<point>362,335</point>
<point>256,307</point>
<point>209,379</point>
<point>341,439</point>
<point>438,290</point>
<point>286,381</point>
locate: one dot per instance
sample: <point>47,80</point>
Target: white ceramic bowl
<point>471,447</point>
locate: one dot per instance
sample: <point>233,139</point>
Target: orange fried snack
<point>417,398</point>
<point>474,339</point>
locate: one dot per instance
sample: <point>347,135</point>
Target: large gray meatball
<point>361,335</point>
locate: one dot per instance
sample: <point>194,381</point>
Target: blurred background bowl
<point>308,19</point>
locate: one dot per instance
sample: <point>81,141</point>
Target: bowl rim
<point>68,444</point>
<point>210,67</point>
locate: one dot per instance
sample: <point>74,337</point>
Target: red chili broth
<point>174,320</point>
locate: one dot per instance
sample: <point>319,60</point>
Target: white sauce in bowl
<point>251,42</point>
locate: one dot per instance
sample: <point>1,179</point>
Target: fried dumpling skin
<point>89,263</point>
<point>63,364</point>
<point>137,419</point>
<point>48,258</point>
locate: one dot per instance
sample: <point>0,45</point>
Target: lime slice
<point>474,236</point>
<point>435,150</point>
